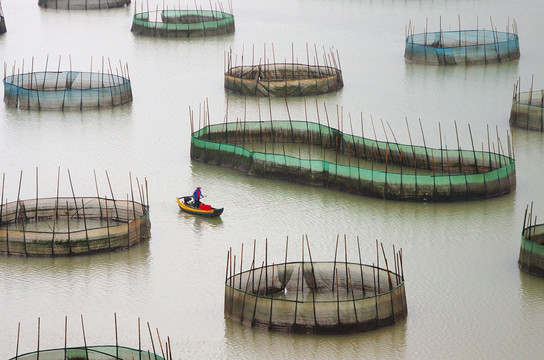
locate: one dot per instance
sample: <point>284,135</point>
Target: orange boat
<point>186,203</point>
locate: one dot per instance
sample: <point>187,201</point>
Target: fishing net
<point>316,297</point>
<point>71,226</point>
<point>464,47</point>
<point>528,110</point>
<point>316,154</point>
<point>66,90</point>
<point>531,253</point>
<point>282,79</point>
<point>105,352</point>
<point>83,4</point>
<point>182,23</point>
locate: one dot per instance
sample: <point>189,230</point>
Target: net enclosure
<point>332,297</point>
<point>67,90</point>
<point>71,226</point>
<point>316,154</point>
<point>527,110</point>
<point>462,47</point>
<point>284,79</point>
<point>83,4</point>
<point>531,252</point>
<point>100,352</point>
<point>66,226</point>
<point>183,23</point>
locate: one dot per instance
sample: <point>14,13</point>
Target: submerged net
<point>464,47</point>
<point>316,154</point>
<point>316,297</point>
<point>283,80</point>
<point>104,352</point>
<point>182,23</point>
<point>71,226</point>
<point>66,90</point>
<point>527,109</point>
<point>83,4</point>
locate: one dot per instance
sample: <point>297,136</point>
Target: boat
<point>186,204</point>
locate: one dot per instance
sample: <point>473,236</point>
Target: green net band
<point>104,352</point>
<point>182,23</point>
<point>531,254</point>
<point>367,167</point>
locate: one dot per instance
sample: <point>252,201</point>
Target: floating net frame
<point>67,90</point>
<point>531,252</point>
<point>183,23</point>
<point>3,28</point>
<point>304,296</point>
<point>527,110</point>
<point>126,223</point>
<point>97,352</point>
<point>83,4</point>
<point>462,47</point>
<point>408,172</point>
<point>284,79</point>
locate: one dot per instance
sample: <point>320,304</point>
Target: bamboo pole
<point>334,266</point>
<point>85,224</point>
<point>152,343</point>
<point>84,338</point>
<point>36,206</point>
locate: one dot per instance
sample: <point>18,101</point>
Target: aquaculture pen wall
<point>66,90</point>
<point>528,109</point>
<point>83,4</point>
<point>464,47</point>
<point>182,23</point>
<point>121,224</point>
<point>422,173</point>
<point>315,297</point>
<point>283,79</point>
<point>531,252</point>
<point>105,352</point>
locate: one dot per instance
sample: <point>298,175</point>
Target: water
<point>466,296</point>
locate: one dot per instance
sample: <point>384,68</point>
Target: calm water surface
<point>466,296</point>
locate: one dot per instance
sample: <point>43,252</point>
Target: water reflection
<point>200,224</point>
<point>249,343</point>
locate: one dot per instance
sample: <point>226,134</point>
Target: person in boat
<point>197,195</point>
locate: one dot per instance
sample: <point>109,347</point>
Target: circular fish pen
<point>316,154</point>
<point>97,352</point>
<point>462,47</point>
<point>83,4</point>
<point>100,352</point>
<point>183,23</point>
<point>67,90</point>
<point>531,252</point>
<point>68,226</point>
<point>284,79</point>
<point>527,110</point>
<point>332,297</point>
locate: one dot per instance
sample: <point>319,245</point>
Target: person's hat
<point>198,187</point>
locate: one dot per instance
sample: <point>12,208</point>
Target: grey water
<point>466,296</point>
